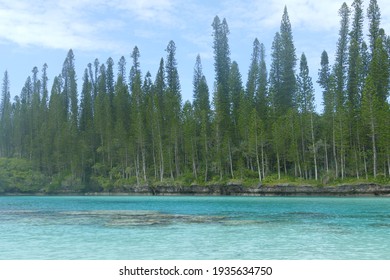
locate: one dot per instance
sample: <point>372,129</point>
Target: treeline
<point>129,128</point>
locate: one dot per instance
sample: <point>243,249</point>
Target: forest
<point>117,127</point>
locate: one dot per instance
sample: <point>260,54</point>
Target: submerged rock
<point>124,218</point>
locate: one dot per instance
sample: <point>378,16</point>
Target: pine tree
<point>70,89</point>
<point>275,78</point>
<point>5,118</point>
<point>238,101</point>
<point>374,17</point>
<point>374,104</point>
<point>173,101</point>
<point>86,128</point>
<point>340,70</point>
<point>341,60</point>
<point>275,89</point>
<point>355,66</point>
<point>325,80</point>
<point>190,139</point>
<point>137,117</point>
<point>254,70</point>
<point>324,72</point>
<point>57,129</point>
<point>101,121</point>
<point>354,84</point>
<point>150,124</point>
<point>110,84</point>
<point>262,106</point>
<point>135,69</point>
<point>235,96</point>
<point>221,53</point>
<point>71,105</point>
<point>306,108</point>
<point>200,96</point>
<point>93,75</point>
<point>16,136</point>
<point>370,105</point>
<point>26,126</point>
<point>379,69</point>
<point>202,113</point>
<point>222,120</point>
<point>247,147</point>
<point>45,91</point>
<point>121,109</point>
<point>86,113</point>
<point>261,97</point>
<point>282,86</point>
<point>285,98</point>
<point>159,118</point>
<point>36,120</point>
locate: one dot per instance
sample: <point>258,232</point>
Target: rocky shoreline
<point>238,190</point>
<point>279,190</point>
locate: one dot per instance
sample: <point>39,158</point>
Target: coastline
<point>365,189</point>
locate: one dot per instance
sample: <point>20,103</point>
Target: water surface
<point>194,228</point>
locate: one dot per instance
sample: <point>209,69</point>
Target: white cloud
<point>87,24</point>
<point>257,15</point>
<point>48,26</point>
<point>79,24</point>
<point>103,28</point>
<point>152,11</point>
<point>310,15</point>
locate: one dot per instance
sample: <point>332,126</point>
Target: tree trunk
<point>205,159</point>
<point>342,153</point>
<point>154,157</point>
<point>314,148</point>
<point>137,169</point>
<point>334,151</point>
<point>177,168</point>
<point>161,161</point>
<point>356,163</point>
<point>303,150</point>
<point>374,154</point>
<point>365,163</point>
<point>193,147</point>
<point>326,157</point>
<point>231,161</point>
<point>278,161</point>
<point>143,163</point>
<point>262,160</point>
<point>257,158</point>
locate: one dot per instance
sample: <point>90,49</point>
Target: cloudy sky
<point>42,31</point>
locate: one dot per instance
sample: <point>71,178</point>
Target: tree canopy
<point>115,128</point>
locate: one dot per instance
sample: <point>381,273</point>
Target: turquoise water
<point>194,228</point>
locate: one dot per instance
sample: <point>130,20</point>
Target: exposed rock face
<point>281,190</point>
<point>237,190</point>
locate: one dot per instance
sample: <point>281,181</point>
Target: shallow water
<point>194,228</point>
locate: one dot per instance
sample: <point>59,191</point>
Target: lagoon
<point>193,227</point>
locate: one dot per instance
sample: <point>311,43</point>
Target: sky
<point>42,31</point>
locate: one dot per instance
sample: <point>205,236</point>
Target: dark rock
<point>234,190</point>
<point>264,190</point>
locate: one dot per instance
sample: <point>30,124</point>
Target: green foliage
<point>18,175</point>
<point>135,131</point>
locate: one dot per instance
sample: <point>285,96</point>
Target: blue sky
<point>36,32</point>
